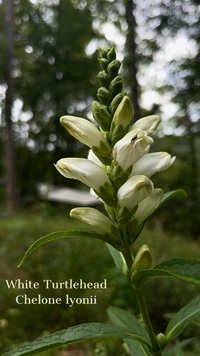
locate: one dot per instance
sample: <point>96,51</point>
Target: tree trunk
<point>132,56</point>
<point>10,160</point>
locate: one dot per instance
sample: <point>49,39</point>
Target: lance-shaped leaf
<point>61,234</point>
<point>170,194</point>
<point>72,335</point>
<point>117,256</point>
<point>182,268</point>
<point>180,320</point>
<point>123,318</point>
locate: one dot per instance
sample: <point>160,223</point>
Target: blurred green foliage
<point>85,259</point>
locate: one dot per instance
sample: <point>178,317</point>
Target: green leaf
<point>117,256</point>
<point>72,335</point>
<point>182,268</point>
<point>123,318</point>
<point>182,344</point>
<point>170,194</point>
<point>61,234</point>
<point>181,319</point>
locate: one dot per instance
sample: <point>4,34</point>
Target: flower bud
<point>101,115</point>
<point>104,95</point>
<point>115,102</point>
<point>148,205</point>
<point>123,114</point>
<point>111,55</point>
<point>151,163</point>
<point>83,130</point>
<point>113,68</point>
<point>148,123</point>
<point>103,63</point>
<point>131,148</point>
<point>104,51</point>
<point>116,85</point>
<point>143,259</point>
<point>103,78</point>
<point>161,340</point>
<point>134,191</point>
<point>95,220</point>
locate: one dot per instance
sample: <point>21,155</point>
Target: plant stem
<point>145,314</point>
<point>128,257</point>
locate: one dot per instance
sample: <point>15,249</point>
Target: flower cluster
<point>119,164</point>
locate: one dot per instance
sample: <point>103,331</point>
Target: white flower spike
<point>134,191</point>
<point>151,163</point>
<point>131,148</point>
<point>148,123</point>
<point>148,205</point>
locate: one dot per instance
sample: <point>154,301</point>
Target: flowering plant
<point>118,171</point>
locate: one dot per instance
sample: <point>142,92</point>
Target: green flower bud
<point>125,271</point>
<point>113,68</point>
<point>123,114</point>
<point>115,102</point>
<point>111,55</point>
<point>103,63</point>
<point>101,115</point>
<point>104,95</point>
<point>143,259</point>
<point>116,85</point>
<point>161,340</point>
<point>104,51</point>
<point>103,78</point>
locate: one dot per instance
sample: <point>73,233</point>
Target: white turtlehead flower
<point>131,148</point>
<point>148,123</point>
<point>84,170</point>
<point>92,218</point>
<point>92,157</point>
<point>83,130</point>
<point>151,163</point>
<point>148,205</point>
<point>134,191</point>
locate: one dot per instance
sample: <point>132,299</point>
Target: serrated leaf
<point>182,268</point>
<point>117,256</point>
<point>170,194</point>
<point>181,319</point>
<point>123,318</point>
<point>61,234</point>
<point>72,335</point>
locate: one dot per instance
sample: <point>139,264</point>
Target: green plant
<point>117,170</point>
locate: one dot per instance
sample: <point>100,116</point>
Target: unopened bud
<point>115,102</point>
<point>104,51</point>
<point>125,271</point>
<point>101,115</point>
<point>116,85</point>
<point>143,259</point>
<point>123,114</point>
<point>103,63</point>
<point>104,95</point>
<point>161,340</point>
<point>111,55</point>
<point>113,68</point>
<point>103,78</point>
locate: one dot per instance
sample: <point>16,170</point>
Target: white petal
<point>84,170</point>
<point>83,130</point>
<point>92,218</point>
<point>92,157</point>
<point>151,163</point>
<point>148,205</point>
<point>134,191</point>
<point>131,148</point>
<point>148,123</point>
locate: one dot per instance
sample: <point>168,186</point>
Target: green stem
<point>145,314</point>
<point>128,257</point>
